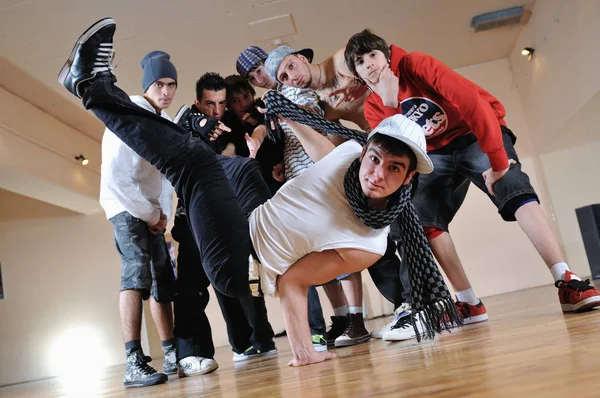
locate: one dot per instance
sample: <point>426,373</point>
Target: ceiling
<point>36,36</point>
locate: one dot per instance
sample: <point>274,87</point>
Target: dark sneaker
<point>319,342</point>
<point>139,374</point>
<point>576,295</point>
<point>252,353</point>
<point>355,333</point>
<point>170,361</point>
<point>91,57</point>
<point>338,326</point>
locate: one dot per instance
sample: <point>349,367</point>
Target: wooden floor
<point>527,349</point>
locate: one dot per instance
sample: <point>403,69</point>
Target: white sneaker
<point>400,312</point>
<point>404,330</point>
<point>193,366</point>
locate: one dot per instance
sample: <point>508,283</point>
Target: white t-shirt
<point>129,183</point>
<point>311,214</point>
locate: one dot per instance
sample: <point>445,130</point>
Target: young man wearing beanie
<point>137,200</point>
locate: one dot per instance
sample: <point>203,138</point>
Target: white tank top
<point>311,214</point>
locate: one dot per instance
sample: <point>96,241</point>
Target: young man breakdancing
<point>352,193</point>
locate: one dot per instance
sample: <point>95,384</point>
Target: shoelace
<point>575,284</point>
<point>144,367</point>
<point>404,322</point>
<point>351,321</point>
<point>104,57</point>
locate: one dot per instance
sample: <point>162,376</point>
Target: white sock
<point>467,296</point>
<point>558,272</point>
<point>341,310</point>
<point>355,310</point>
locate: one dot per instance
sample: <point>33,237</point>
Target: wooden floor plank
<point>528,348</point>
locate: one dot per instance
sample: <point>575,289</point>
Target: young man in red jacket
<point>468,141</point>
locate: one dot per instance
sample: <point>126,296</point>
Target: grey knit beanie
<point>157,65</point>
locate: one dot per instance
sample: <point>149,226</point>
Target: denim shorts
<point>145,261</point>
<point>439,195</point>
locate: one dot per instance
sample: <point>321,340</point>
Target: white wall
<point>60,271</point>
<point>559,90</point>
<point>497,255</point>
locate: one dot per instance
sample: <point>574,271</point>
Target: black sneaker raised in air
<point>90,58</point>
<point>139,374</point>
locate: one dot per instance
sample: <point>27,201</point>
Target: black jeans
<point>390,273</point>
<point>246,317</point>
<point>192,327</point>
<point>218,193</point>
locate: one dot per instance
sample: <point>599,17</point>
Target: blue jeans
<point>315,313</point>
<point>440,194</point>
<point>219,192</point>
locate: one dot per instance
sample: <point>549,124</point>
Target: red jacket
<point>444,103</point>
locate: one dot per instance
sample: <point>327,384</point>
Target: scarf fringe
<point>435,317</point>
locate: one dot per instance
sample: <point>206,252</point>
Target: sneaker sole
<point>82,39</point>
<point>475,319</point>
<point>179,113</point>
<point>256,356</point>
<point>181,373</point>
<point>583,305</point>
<point>320,348</point>
<point>129,384</point>
<point>390,337</point>
<point>349,342</point>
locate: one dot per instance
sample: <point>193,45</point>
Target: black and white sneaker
<point>253,353</point>
<point>139,374</point>
<point>338,327</point>
<point>403,329</point>
<point>182,114</point>
<point>91,57</point>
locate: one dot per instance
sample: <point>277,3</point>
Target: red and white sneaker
<point>471,313</point>
<point>576,295</point>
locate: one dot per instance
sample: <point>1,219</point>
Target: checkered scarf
<point>430,294</point>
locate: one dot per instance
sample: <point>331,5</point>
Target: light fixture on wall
<point>528,52</point>
<point>84,161</point>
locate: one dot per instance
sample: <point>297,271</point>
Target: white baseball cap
<point>409,132</point>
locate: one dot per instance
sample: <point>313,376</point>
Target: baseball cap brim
<point>424,163</point>
<point>307,52</point>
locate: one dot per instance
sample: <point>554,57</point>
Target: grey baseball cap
<point>277,55</point>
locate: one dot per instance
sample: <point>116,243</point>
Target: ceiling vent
<point>498,19</point>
